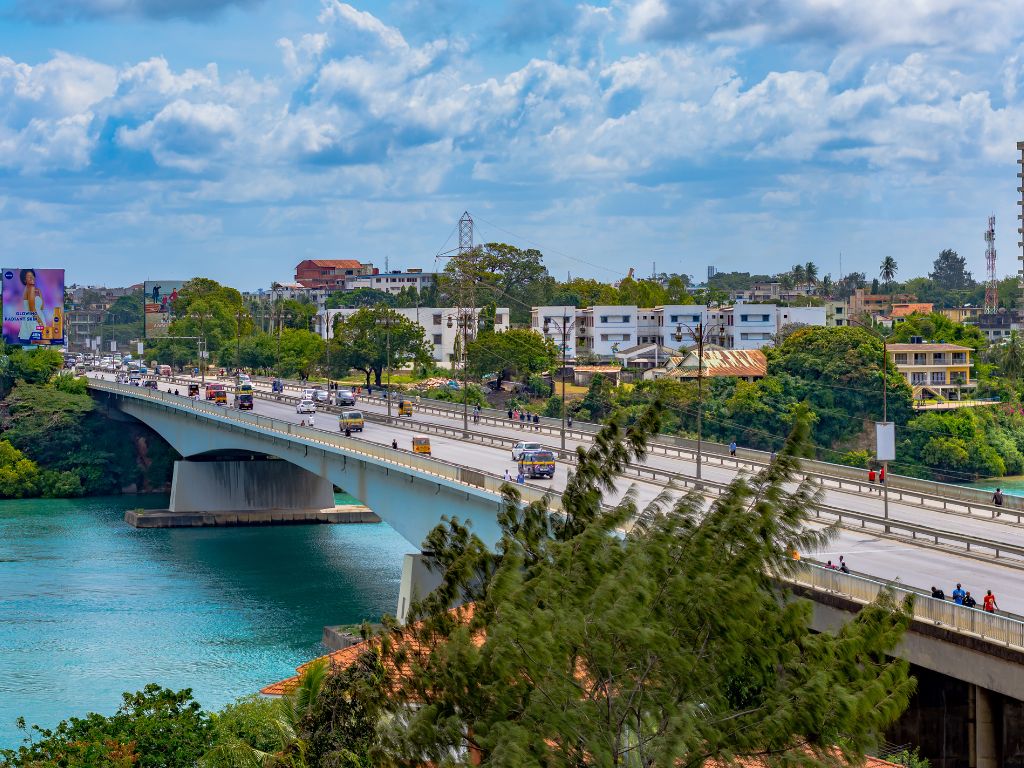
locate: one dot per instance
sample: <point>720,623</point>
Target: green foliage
<point>667,645</point>
<point>301,351</point>
<point>19,476</point>
<point>35,366</point>
<point>372,337</point>
<point>937,328</point>
<point>909,758</point>
<point>966,443</point>
<point>153,728</point>
<point>259,352</point>
<point>553,407</point>
<point>501,274</point>
<point>361,297</point>
<point>597,403</point>
<point>511,354</point>
<point>473,394</point>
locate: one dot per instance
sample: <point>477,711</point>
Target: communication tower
<point>992,286</point>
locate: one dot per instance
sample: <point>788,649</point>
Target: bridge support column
<point>418,581</point>
<point>259,485</point>
<point>983,731</point>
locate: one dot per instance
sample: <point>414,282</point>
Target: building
<point>603,330</point>
<point>837,314</point>
<point>997,326</point>
<point>752,326</point>
<point>559,325</point>
<point>646,355</point>
<point>901,311</point>
<point>962,314</point>
<point>393,282</point>
<point>801,316</point>
<point>439,323</point>
<point>745,364</point>
<point>775,291</point>
<point>934,370</point>
<point>864,303</point>
<point>331,274</point>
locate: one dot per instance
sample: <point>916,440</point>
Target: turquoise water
<point>90,607</point>
<point>1012,485</point>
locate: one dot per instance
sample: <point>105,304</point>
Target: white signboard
<point>885,441</point>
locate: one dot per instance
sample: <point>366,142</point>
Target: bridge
<point>932,534</point>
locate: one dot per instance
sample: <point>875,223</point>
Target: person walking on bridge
<point>938,594</point>
<point>510,414</point>
<point>969,602</point>
<point>958,594</point>
<point>997,497</point>
<point>989,602</point>
<point>732,448</point>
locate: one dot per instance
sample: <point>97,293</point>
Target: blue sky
<point>233,138</point>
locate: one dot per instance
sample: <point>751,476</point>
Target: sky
<point>163,139</point>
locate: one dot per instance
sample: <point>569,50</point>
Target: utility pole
<point>700,334</point>
<point>565,329</point>
<point>388,326</point>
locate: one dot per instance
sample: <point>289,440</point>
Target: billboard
<point>33,307</point>
<point>159,298</point>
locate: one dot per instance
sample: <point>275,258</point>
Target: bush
<point>19,476</point>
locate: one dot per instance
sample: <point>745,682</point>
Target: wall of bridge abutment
<point>968,710</point>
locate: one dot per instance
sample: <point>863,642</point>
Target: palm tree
<point>811,272</point>
<point>827,286</point>
<point>1011,361</point>
<point>888,270</point>
<point>798,274</point>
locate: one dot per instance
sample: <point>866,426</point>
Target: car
<point>305,406</point>
<point>150,384</point>
<point>321,396</point>
<point>344,397</point>
<point>522,447</point>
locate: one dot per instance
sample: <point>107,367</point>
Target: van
<point>351,420</point>
<point>537,464</point>
<point>164,370</point>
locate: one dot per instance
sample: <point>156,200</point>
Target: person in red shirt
<point>989,602</point>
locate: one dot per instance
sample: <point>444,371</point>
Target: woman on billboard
<point>34,307</point>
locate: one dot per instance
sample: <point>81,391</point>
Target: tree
<point>360,297</point>
<point>827,286</point>
<point>938,328</point>
<point>259,352</point>
<point>19,476</point>
<point>1011,358</point>
<point>363,341</point>
<point>667,645</point>
<point>598,401</point>
<point>888,270</point>
<point>501,274</point>
<point>153,728</point>
<point>811,272</point>
<point>949,271</point>
<point>798,274</point>
<point>515,352</point>
<point>301,351</point>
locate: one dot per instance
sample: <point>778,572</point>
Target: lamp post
<point>462,319</point>
<point>387,324</point>
<point>565,328</point>
<point>700,335</point>
<point>201,317</point>
<point>884,424</point>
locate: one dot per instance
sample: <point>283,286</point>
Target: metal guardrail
<point>996,628</point>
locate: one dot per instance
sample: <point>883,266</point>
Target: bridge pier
<point>983,741</point>
<point>257,485</point>
<point>417,582</point>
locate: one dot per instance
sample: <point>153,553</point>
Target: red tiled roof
<point>336,263</point>
<point>904,310</point>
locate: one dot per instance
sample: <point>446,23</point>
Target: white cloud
<point>184,135</point>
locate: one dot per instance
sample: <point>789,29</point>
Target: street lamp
<point>201,317</point>
<point>701,335</point>
<point>565,328</point>
<point>884,427</point>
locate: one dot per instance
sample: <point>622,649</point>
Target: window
<point>754,318</point>
<point>920,358</point>
<point>938,377</point>
<point>437,339</point>
<point>959,357</point>
<point>499,319</point>
<point>901,358</point>
<point>918,378</point>
<point>437,319</point>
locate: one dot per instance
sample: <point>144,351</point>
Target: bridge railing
<point>993,627</point>
<point>351,446</point>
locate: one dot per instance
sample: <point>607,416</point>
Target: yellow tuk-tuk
<point>405,409</point>
<point>351,420</point>
<point>421,445</point>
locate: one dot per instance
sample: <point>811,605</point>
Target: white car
<point>522,447</point>
<point>305,406</point>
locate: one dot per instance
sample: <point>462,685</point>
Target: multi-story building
<point>801,316</point>
<point>558,324</point>
<point>393,282</point>
<point>606,329</point>
<point>775,291</point>
<point>440,324</point>
<point>752,326</point>
<point>997,326</point>
<point>902,310</point>
<point>837,314</point>
<point>934,370</point>
<point>331,274</point>
<point>962,314</point>
<point>864,303</point>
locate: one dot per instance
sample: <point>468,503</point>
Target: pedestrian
<point>348,432</point>
<point>989,602</point>
<point>311,422</point>
<point>969,602</point>
<point>175,391</point>
<point>732,448</point>
<point>830,566</point>
<point>510,414</point>
<point>881,475</point>
<point>871,475</point>
<point>842,565</point>
<point>520,478</point>
<point>958,594</point>
<point>508,475</point>
<point>938,594</point>
<point>997,497</point>
<point>302,423</point>
<point>522,418</point>
<point>536,421</point>
<point>394,444</point>
<point>569,420</point>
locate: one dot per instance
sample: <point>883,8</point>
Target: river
<point>90,607</point>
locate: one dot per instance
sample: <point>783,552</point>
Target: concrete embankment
<point>139,518</point>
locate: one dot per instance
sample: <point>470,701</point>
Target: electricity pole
<point>565,328</point>
<point>700,335</point>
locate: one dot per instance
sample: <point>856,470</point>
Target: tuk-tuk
<point>537,464</point>
<point>351,420</point>
<point>421,445</point>
<point>405,408</point>
<point>193,390</point>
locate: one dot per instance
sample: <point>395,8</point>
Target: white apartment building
<point>392,282</point>
<point>440,324</point>
<point>553,322</point>
<point>603,331</point>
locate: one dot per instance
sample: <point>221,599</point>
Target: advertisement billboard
<point>33,307</point>
<point>159,298</point>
